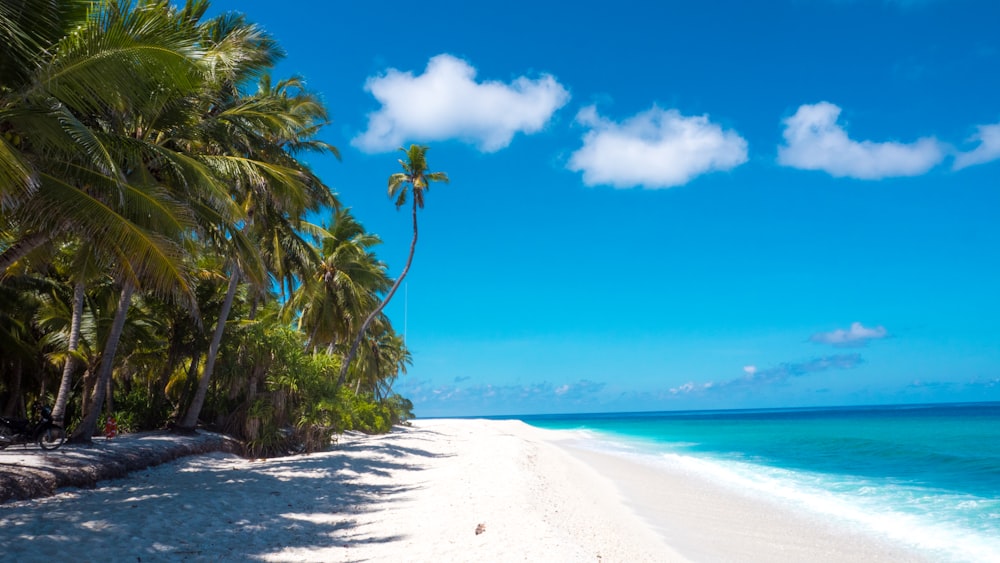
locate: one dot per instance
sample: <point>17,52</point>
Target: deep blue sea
<point>924,475</point>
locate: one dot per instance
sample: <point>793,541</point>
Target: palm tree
<point>415,178</point>
<point>81,267</point>
<point>75,108</point>
<point>78,69</point>
<point>131,139</point>
<point>344,287</point>
<point>382,357</point>
<point>274,189</point>
<point>163,192</point>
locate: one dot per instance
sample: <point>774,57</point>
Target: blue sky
<point>674,205</point>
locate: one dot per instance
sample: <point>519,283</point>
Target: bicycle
<point>44,431</point>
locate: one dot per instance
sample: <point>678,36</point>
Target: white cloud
<point>446,102</point>
<point>988,137</point>
<point>814,141</point>
<point>856,335</point>
<point>686,388</point>
<point>773,375</point>
<point>655,149</point>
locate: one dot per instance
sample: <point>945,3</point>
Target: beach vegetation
<point>160,254</point>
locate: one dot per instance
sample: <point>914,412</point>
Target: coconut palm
<point>382,357</point>
<point>344,287</point>
<point>273,188</point>
<point>107,163</point>
<point>76,104</point>
<point>80,71</point>
<point>148,144</point>
<point>79,263</point>
<point>415,178</point>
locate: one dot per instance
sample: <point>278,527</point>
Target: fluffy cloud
<point>655,149</point>
<point>988,137</point>
<point>857,335</point>
<point>756,377</point>
<point>814,141</point>
<point>446,102</point>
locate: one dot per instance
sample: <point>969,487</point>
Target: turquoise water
<point>924,475</point>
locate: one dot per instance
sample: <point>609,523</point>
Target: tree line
<point>157,258</point>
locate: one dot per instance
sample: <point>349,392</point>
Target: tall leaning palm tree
<point>415,178</point>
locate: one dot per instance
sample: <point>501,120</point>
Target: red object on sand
<point>110,428</point>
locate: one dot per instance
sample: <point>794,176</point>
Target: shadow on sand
<point>280,509</point>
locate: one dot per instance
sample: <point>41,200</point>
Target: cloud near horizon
<point>545,392</point>
<point>988,137</point>
<point>654,149</point>
<point>815,141</point>
<point>782,372</point>
<point>856,336</point>
<point>446,102</point>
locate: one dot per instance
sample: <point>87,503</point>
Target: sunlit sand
<point>442,490</point>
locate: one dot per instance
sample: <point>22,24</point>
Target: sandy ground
<point>419,494</point>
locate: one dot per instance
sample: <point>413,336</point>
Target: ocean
<point>926,476</point>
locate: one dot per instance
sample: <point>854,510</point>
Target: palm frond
<point>155,261</point>
<point>119,57</point>
<point>17,177</point>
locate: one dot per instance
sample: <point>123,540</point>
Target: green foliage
<point>262,433</point>
<point>143,146</point>
<point>400,408</point>
<point>136,410</point>
<point>362,413</point>
<point>279,398</point>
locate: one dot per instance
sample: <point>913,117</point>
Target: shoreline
<point>708,521</point>
<point>420,494</point>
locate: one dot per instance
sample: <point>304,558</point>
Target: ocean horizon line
<point>717,412</point>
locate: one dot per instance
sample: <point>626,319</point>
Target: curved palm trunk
<point>62,398</point>
<point>21,248</point>
<point>191,417</point>
<point>364,326</point>
<point>88,425</point>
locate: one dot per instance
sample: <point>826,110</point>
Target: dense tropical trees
<point>74,93</point>
<point>415,180</point>
<point>153,207</point>
<point>344,287</point>
<point>261,128</point>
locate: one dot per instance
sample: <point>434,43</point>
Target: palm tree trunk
<point>192,371</point>
<point>311,343</point>
<point>191,418</point>
<point>368,320</point>
<point>21,248</point>
<point>59,410</point>
<point>88,425</point>
<point>109,395</point>
<point>87,389</point>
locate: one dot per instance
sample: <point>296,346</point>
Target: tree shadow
<point>310,503</point>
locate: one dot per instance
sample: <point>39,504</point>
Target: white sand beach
<point>419,494</point>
